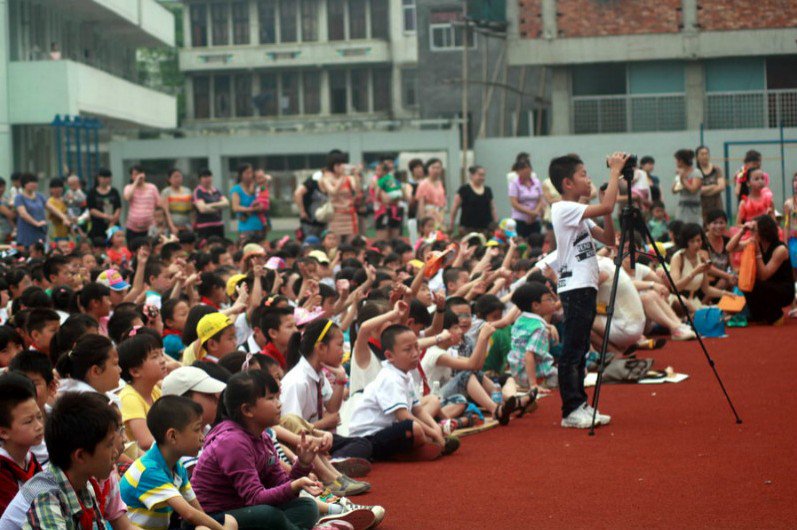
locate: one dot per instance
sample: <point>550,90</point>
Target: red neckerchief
<point>207,301</point>
<point>376,347</point>
<point>101,493</point>
<point>272,351</point>
<point>87,516</point>
<point>170,331</point>
<point>426,388</point>
<point>22,475</point>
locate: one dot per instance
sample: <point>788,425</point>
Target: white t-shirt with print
<point>432,370</point>
<point>578,267</point>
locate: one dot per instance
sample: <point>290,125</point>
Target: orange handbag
<point>747,268</point>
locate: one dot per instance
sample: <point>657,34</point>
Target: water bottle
<point>497,396</point>
<point>436,388</point>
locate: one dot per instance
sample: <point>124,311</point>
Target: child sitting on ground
<point>39,370</point>
<point>157,484</point>
<point>529,359</point>
<point>657,224</point>
<point>42,324</point>
<point>143,367</point>
<point>215,339</point>
<point>92,365</point>
<point>174,313</point>
<point>389,414</point>
<point>21,429</point>
<point>117,252</point>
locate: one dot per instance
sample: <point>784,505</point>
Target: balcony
<point>754,109</point>
<point>303,54</point>
<point>66,87</point>
<point>628,113</point>
<point>140,22</point>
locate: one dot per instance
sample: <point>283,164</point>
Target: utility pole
<point>465,120</point>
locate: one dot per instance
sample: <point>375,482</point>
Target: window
<point>409,88</point>
<point>379,19</point>
<point>266,101</point>
<point>408,10</point>
<point>336,20</point>
<point>309,16</point>
<point>288,27</point>
<point>357,19</point>
<point>449,37</point>
<point>381,87</point>
<point>220,17</point>
<point>266,12</point>
<point>312,92</point>
<point>199,25</point>
<point>289,96</point>
<point>201,97</point>
<point>221,96</point>
<point>240,23</point>
<point>337,91</point>
<point>359,89</point>
<point>243,96</point>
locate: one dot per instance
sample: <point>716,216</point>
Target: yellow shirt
<point>190,354</point>
<point>134,407</point>
<point>59,229</point>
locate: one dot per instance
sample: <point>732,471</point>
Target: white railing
<point>628,113</point>
<point>751,109</point>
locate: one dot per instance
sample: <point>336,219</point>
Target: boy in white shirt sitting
<point>389,413</point>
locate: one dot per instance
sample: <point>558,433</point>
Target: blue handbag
<point>793,252</point>
<point>709,322</point>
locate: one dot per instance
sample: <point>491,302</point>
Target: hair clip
<point>245,365</point>
<point>134,331</point>
<point>69,353</point>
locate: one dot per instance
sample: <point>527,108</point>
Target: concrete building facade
<point>75,59</point>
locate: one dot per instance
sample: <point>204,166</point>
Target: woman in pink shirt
<point>431,194</point>
<point>143,198</point>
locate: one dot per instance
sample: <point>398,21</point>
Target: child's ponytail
<point>90,350</point>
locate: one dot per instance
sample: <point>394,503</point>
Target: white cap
<point>190,378</point>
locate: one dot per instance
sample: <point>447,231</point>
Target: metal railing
<point>628,113</point>
<point>751,109</point>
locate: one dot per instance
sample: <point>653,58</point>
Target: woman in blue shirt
<point>31,206</point>
<point>244,204</point>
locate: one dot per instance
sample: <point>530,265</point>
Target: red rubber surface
<point>673,456</point>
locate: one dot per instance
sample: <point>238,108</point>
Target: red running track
<point>673,456</point>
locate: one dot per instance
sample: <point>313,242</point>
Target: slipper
<point>531,405</point>
<point>506,408</point>
<point>651,344</point>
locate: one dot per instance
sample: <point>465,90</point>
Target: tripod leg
<point>660,258</point>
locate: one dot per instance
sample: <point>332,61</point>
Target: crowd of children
<point>169,382</point>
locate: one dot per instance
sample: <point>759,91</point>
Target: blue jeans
<point>580,309</point>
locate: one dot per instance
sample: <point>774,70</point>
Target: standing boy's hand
<point>616,163</point>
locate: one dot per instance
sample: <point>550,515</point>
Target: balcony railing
<point>628,113</point>
<point>752,109</point>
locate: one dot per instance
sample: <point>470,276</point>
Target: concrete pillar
<point>254,24</point>
<point>550,28</point>
<point>187,43</point>
<point>689,16</point>
<point>326,103</point>
<point>323,28</point>
<point>695,80</point>
<point>513,18</point>
<point>6,144</point>
<point>561,102</point>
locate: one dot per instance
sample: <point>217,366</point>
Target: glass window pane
<point>357,29</point>
<point>336,18</point>
<point>381,90</point>
<point>337,91</point>
<point>240,23</point>
<point>201,97</point>
<point>409,87</point>
<point>243,95</point>
<point>289,97</point>
<point>312,92</point>
<point>359,89</point>
<point>267,14</point>
<point>266,100</point>
<point>221,96</point>
<point>220,15</point>
<point>409,14</point>
<point>199,25</point>
<point>379,19</point>
<point>438,37</point>
<point>309,20</point>
<point>288,27</point>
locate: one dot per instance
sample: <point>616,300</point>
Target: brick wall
<point>746,14</point>
<point>530,18</point>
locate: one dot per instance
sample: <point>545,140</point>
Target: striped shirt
<point>145,199</point>
<point>148,485</point>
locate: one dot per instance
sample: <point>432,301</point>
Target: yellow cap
<point>211,324</point>
<point>232,283</point>
<point>320,256</point>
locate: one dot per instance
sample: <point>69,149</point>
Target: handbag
<point>709,322</point>
<point>324,213</point>
<point>747,269</point>
<point>793,252</point>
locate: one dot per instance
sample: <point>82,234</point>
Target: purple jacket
<point>238,469</point>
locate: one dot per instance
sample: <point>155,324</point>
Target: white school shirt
<point>433,371</point>
<point>300,391</point>
<point>578,266</point>
<point>392,390</point>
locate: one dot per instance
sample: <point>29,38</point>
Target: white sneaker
<point>578,419</point>
<point>600,419</point>
<point>683,332</point>
<point>377,511</point>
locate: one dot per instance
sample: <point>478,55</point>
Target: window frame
<point>407,7</point>
<point>450,29</point>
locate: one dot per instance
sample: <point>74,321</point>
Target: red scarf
<point>170,331</point>
<point>207,301</point>
<point>12,475</point>
<point>272,351</point>
<point>426,389</point>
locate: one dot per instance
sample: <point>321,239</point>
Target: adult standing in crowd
<point>176,202</point>
<point>31,212</point>
<point>244,204</point>
<point>713,182</point>
<point>143,197</point>
<point>209,203</point>
<point>431,193</point>
<point>774,286</point>
<point>688,181</point>
<point>741,182</point>
<point>7,216</point>
<point>520,157</point>
<point>526,197</point>
<point>477,203</point>
<point>105,205</point>
<point>308,197</point>
<point>342,191</point>
<point>415,177</point>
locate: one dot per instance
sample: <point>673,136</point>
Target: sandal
<point>505,409</point>
<point>531,405</point>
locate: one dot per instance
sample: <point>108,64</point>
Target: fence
<point>748,110</point>
<point>629,113</point>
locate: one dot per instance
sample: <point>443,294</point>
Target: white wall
<point>498,154</point>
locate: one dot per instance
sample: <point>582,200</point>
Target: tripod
<point>631,219</point>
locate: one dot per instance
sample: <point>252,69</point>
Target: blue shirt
<point>27,234</point>
<point>148,484</point>
<point>247,222</point>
